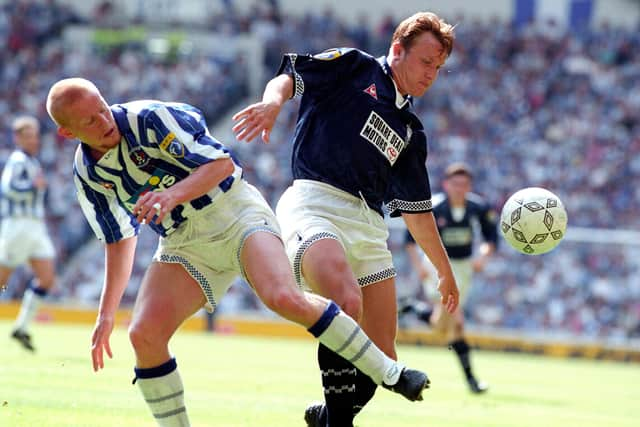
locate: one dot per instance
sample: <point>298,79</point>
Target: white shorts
<point>309,211</point>
<point>208,245</point>
<point>462,271</point>
<point>24,239</point>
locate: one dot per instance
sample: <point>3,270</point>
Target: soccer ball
<point>533,221</point>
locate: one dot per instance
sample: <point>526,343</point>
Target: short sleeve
<point>182,133</point>
<point>316,74</point>
<point>409,189</point>
<point>109,221</point>
<point>489,224</point>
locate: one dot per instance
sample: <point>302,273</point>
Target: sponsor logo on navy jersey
<point>371,90</point>
<point>456,236</point>
<point>383,137</point>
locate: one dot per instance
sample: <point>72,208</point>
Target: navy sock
<point>338,381</point>
<point>365,389</point>
<point>462,350</point>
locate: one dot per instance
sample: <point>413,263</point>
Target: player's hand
<point>256,119</point>
<point>100,341</point>
<point>154,204</point>
<point>449,296</point>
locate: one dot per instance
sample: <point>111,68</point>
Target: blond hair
<point>21,123</point>
<point>64,93</point>
<point>424,22</point>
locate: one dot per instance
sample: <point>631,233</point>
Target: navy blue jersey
<point>356,132</point>
<point>457,233</point>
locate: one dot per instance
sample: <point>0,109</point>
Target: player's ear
<point>397,49</point>
<point>64,132</point>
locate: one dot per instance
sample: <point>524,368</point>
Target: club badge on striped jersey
<point>172,146</point>
<point>139,157</point>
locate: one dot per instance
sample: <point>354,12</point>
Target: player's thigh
<point>167,296</point>
<point>267,269</point>
<point>44,269</point>
<point>327,272</point>
<point>265,263</point>
<point>379,315</point>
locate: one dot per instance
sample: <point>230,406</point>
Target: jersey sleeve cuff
<point>396,207</point>
<point>288,66</point>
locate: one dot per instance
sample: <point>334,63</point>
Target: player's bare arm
<point>201,181</point>
<point>259,118</point>
<point>422,227</point>
<point>118,265</point>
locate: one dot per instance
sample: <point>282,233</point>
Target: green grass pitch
<point>239,381</point>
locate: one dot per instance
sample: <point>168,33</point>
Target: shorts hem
<point>200,278</point>
<point>245,236</point>
<point>297,261</point>
<point>370,279</point>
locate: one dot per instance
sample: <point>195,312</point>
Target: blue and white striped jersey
<point>19,197</point>
<point>356,132</point>
<point>162,143</point>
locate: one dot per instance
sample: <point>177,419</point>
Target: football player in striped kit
<point>358,144</point>
<point>458,212</point>
<point>24,238</point>
<point>155,163</point>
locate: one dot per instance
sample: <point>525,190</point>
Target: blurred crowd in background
<point>534,105</point>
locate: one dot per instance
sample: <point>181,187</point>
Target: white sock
<point>165,396</point>
<point>30,303</point>
<point>345,337</point>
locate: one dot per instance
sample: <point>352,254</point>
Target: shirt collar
<point>88,158</point>
<point>86,155</point>
<point>401,100</point>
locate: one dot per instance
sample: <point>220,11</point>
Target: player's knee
<point>284,301</point>
<point>351,303</point>
<point>46,283</point>
<point>142,337</point>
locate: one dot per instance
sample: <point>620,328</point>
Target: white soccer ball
<point>533,221</point>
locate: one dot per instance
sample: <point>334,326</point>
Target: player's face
<point>29,140</point>
<point>457,187</point>
<point>90,120</point>
<point>416,68</point>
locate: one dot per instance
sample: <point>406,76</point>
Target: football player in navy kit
<point>358,145</point>
<point>456,211</point>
